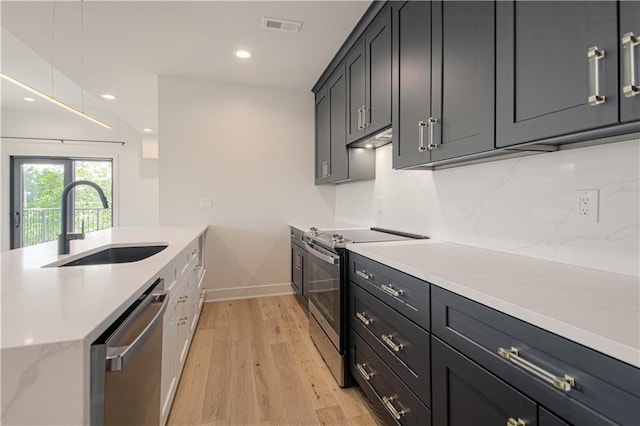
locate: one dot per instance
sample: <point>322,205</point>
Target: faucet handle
<point>82,229</point>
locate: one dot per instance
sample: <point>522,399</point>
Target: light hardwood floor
<point>252,363</point>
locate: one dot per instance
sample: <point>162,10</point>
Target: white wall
<point>524,206</point>
<point>252,149</point>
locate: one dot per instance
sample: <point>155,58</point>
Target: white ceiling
<point>127,44</point>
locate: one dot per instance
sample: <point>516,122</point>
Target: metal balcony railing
<point>40,225</point>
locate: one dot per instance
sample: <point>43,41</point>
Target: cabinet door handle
<point>563,383</point>
<point>594,55</point>
<point>388,339</point>
<point>298,261</point>
<point>388,288</point>
<point>325,169</point>
<point>421,125</point>
<point>388,403</point>
<point>360,118</point>
<point>361,316</point>
<point>516,422</point>
<point>361,369</point>
<point>364,117</point>
<point>629,85</point>
<point>364,274</point>
<point>430,143</point>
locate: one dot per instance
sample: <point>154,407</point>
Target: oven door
<point>324,291</point>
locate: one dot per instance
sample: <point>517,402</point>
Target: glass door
<point>36,196</point>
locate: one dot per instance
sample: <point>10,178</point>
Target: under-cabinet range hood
<point>381,138</point>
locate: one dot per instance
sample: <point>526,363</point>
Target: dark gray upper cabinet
<point>323,138</point>
<point>629,61</point>
<point>334,161</point>
<point>355,70</point>
<point>331,151</point>
<point>444,102</point>
<point>411,81</point>
<point>368,66</point>
<point>557,69</point>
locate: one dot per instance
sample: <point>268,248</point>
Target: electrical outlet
<point>380,204</point>
<point>588,205</point>
<point>206,202</point>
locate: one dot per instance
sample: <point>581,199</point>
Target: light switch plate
<point>206,201</point>
<point>587,203</point>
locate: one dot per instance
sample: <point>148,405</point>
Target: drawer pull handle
<point>388,403</point>
<point>361,368</point>
<point>516,422</point>
<point>364,274</point>
<point>563,383</point>
<point>361,316</point>
<point>388,339</point>
<point>392,291</point>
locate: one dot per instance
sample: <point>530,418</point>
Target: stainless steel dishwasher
<point>126,362</point>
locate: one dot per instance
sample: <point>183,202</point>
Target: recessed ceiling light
<point>108,96</point>
<point>243,54</point>
<point>147,130</point>
<point>29,99</point>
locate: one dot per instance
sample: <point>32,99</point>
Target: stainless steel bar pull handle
<point>361,369</point>
<point>364,117</point>
<point>360,118</point>
<point>361,316</point>
<point>563,383</point>
<point>325,169</point>
<point>516,422</point>
<point>364,274</point>
<point>431,145</point>
<point>388,288</point>
<point>421,125</point>
<point>388,339</point>
<point>395,413</point>
<point>629,83</point>
<point>594,55</point>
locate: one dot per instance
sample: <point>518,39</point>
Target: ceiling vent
<point>281,25</point>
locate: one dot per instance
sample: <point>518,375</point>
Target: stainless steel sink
<point>111,255</point>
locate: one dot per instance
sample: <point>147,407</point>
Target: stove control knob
<point>313,230</point>
<point>338,238</point>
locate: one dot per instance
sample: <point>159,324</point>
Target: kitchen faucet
<point>65,238</point>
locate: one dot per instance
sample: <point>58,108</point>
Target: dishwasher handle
<point>118,356</point>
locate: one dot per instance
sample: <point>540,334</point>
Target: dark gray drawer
<point>602,384</point>
<point>380,384</point>
<point>407,294</point>
<point>402,345</point>
<point>296,234</point>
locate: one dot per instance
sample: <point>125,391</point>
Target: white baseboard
<point>217,294</point>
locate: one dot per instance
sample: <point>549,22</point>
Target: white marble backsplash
<point>524,206</point>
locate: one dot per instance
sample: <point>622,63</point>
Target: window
<point>36,196</point>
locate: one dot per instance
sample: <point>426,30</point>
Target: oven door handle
<point>333,260</point>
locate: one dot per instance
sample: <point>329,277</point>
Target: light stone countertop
<point>53,305</point>
<point>600,310</point>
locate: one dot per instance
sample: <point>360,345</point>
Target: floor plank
<point>252,363</point>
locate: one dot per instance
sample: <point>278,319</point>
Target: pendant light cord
<point>82,52</point>
<point>53,43</point>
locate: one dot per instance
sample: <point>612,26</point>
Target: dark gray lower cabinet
<point>557,68</point>
<point>298,262</point>
<point>466,394</point>
<point>547,418</point>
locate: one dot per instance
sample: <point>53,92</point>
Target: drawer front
<point>402,345</point>
<point>406,294</point>
<point>381,384</point>
<point>603,384</point>
<point>546,418</point>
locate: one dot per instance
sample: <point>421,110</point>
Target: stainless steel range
<point>328,287</point>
